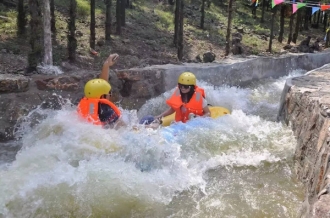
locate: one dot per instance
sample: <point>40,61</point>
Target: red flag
<point>325,7</point>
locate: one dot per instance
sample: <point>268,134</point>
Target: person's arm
<point>206,111</point>
<point>165,113</point>
<point>111,60</point>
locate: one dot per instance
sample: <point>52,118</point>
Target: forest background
<point>149,32</point>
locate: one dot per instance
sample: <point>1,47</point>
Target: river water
<point>238,165</point>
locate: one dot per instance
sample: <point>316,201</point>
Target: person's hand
<point>111,60</point>
<point>158,119</point>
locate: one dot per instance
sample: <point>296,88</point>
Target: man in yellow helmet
<point>96,106</point>
<point>187,100</point>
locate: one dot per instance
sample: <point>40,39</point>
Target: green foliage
<point>150,28</point>
<point>83,7</point>
<point>166,19</point>
<point>260,30</point>
<point>251,41</point>
<point>217,14</point>
<point>8,26</point>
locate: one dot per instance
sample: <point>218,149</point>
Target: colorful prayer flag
<point>315,9</point>
<point>325,7</point>
<point>277,2</point>
<point>294,8</point>
<point>300,5</point>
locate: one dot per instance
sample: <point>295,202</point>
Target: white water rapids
<point>238,165</point>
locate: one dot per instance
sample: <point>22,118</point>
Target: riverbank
<point>306,107</point>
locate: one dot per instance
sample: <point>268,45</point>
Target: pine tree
<point>92,26</point>
<point>21,18</point>
<point>72,41</point>
<point>108,20</point>
<point>35,55</point>
<point>230,14</point>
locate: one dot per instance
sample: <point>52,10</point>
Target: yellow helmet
<point>95,88</point>
<point>187,78</point>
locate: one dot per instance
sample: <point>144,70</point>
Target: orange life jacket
<point>88,108</point>
<point>201,90</point>
<point>195,105</point>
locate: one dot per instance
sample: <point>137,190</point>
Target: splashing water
<point>238,165</point>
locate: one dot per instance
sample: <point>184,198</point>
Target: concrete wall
<point>239,72</point>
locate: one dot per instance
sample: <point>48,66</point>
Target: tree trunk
<point>318,18</point>
<point>180,35</point>
<point>92,26</point>
<point>307,16</point>
<point>202,14</point>
<point>176,22</point>
<point>128,4</point>
<point>280,35</point>
<point>123,13</point>
<point>35,55</point>
<point>108,20</point>
<point>230,15</point>
<point>290,29</point>
<point>118,16</point>
<point>48,52</point>
<point>53,20</point>
<point>21,18</point>
<point>325,22</point>
<point>272,29</point>
<point>72,42</point>
<point>296,29</point>
<point>262,19</point>
<point>208,2</point>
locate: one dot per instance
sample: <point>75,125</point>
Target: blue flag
<point>315,9</point>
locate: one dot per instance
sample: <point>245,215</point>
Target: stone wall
<point>305,105</point>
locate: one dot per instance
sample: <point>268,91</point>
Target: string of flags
<point>303,3</point>
<point>296,5</point>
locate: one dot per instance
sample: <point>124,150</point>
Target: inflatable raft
<point>216,111</point>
